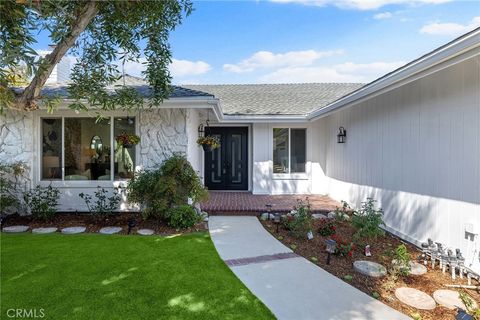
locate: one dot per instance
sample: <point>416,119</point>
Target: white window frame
<point>290,175</point>
<point>81,183</point>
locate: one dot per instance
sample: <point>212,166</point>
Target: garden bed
<point>94,224</point>
<point>382,252</point>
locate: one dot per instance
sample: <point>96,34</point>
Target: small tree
<point>98,33</point>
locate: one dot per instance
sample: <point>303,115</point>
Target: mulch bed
<point>381,250</point>
<point>93,224</point>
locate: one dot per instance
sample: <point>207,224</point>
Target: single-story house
<point>410,139</point>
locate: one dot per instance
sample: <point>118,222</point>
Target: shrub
<point>342,214</point>
<point>42,201</point>
<point>327,227</point>
<point>401,263</point>
<point>10,175</point>
<point>171,185</point>
<point>103,204</point>
<point>368,221</point>
<point>181,217</point>
<point>344,248</point>
<point>299,220</point>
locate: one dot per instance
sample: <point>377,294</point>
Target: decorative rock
<point>15,229</point>
<point>145,232</point>
<point>331,215</point>
<point>73,230</point>
<point>369,268</point>
<point>417,269</point>
<point>415,298</point>
<point>450,299</point>
<point>110,230</point>
<point>44,230</point>
<point>318,216</point>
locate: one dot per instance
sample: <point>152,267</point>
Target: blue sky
<point>309,41</point>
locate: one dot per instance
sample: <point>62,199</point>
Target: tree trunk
<point>26,100</point>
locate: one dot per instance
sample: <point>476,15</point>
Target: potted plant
<point>208,143</point>
<point>127,140</point>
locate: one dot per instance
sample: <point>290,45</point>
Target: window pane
<point>51,149</point>
<point>87,149</point>
<point>280,150</point>
<point>299,150</point>
<point>124,155</point>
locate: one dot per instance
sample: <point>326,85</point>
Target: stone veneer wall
<point>162,132</point>
<point>16,142</point>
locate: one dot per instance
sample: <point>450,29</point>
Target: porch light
<point>331,247</point>
<point>342,135</point>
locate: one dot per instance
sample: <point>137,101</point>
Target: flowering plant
<point>299,220</point>
<point>126,139</point>
<point>344,248</point>
<point>327,228</point>
<point>211,141</point>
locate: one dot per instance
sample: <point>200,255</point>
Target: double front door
<point>226,168</point>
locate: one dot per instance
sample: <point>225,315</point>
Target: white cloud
<point>450,28</point>
<point>361,4</point>
<point>181,68</point>
<point>382,15</point>
<point>178,68</point>
<point>267,59</point>
<point>345,72</point>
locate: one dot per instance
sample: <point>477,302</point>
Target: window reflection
<point>51,161</point>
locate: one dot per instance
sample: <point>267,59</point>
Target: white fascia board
<point>449,55</point>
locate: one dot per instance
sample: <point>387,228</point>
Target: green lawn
<point>94,276</point>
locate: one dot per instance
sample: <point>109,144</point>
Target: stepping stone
<point>369,268</point>
<point>15,229</point>
<point>44,230</point>
<point>73,230</point>
<point>110,230</point>
<point>145,232</point>
<point>415,298</point>
<point>417,269</point>
<point>450,299</point>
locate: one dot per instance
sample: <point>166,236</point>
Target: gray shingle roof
<point>276,99</point>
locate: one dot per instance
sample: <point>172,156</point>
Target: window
<point>82,147</point>
<point>289,150</point>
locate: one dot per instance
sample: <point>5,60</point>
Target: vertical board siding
<point>416,149</point>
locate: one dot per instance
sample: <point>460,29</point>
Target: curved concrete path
<point>290,286</point>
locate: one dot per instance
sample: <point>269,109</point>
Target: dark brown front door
<point>226,168</point>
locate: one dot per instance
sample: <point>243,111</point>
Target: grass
<point>94,276</point>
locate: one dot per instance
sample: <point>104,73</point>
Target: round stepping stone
<point>417,269</point>
<point>369,268</point>
<point>110,230</point>
<point>145,232</point>
<point>44,230</point>
<point>73,230</point>
<point>415,298</point>
<point>450,299</point>
<point>15,229</point>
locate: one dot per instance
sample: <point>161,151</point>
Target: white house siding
<point>265,182</point>
<point>416,150</point>
<point>16,132</point>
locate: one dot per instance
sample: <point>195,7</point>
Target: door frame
<point>248,126</point>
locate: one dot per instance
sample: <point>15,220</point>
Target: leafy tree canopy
<point>98,34</point>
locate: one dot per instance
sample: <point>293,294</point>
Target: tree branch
<point>26,100</point>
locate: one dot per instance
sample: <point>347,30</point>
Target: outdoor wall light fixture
<point>331,247</point>
<point>342,135</point>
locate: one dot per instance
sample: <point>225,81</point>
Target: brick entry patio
<point>246,203</point>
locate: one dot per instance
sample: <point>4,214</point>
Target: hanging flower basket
<point>127,140</point>
<point>208,143</point>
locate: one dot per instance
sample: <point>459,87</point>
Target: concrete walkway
<point>291,287</point>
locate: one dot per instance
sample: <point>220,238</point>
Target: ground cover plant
<point>385,249</point>
<point>94,276</point>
